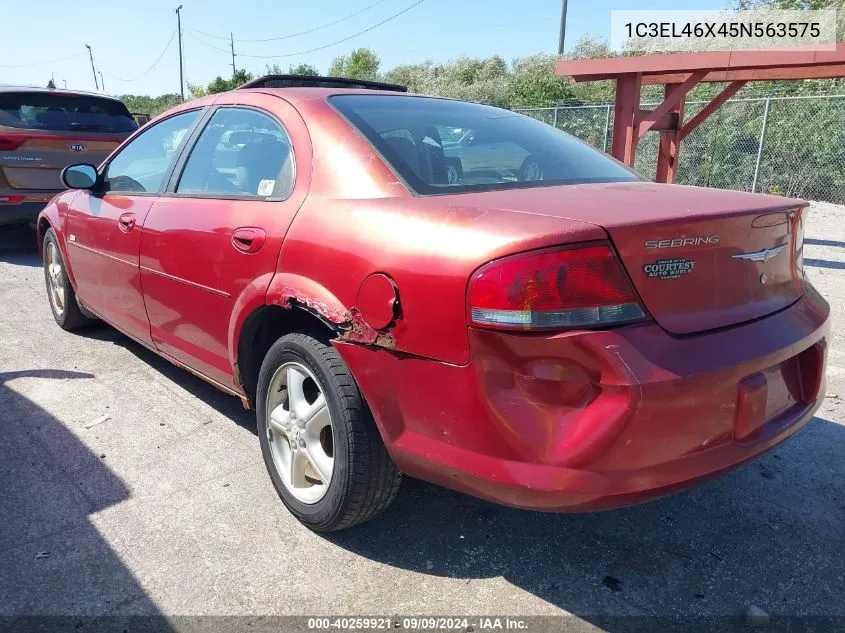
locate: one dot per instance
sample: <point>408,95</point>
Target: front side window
<point>444,146</point>
<point>142,165</point>
<point>242,153</point>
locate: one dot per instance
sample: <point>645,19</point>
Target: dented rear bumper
<point>594,420</point>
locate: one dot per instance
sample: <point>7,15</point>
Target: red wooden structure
<point>679,73</point>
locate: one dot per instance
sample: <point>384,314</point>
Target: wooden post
<point>670,141</point>
<point>626,113</point>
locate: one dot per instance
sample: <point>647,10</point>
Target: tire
<point>60,294</point>
<point>454,171</point>
<point>530,171</point>
<point>363,481</point>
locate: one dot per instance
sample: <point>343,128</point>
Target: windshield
<point>443,146</point>
<point>59,112</point>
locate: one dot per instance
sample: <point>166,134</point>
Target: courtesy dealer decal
<point>669,268</point>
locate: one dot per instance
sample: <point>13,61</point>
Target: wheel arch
<point>263,327</point>
<point>48,219</point>
<point>42,227</point>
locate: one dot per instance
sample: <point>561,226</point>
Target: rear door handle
<point>249,239</point>
<point>126,222</point>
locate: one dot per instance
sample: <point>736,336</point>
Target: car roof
<point>311,94</point>
<point>39,89</point>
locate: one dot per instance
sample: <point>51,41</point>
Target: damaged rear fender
<point>289,290</point>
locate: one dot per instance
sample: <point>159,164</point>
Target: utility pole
<point>179,30</point>
<point>102,82</point>
<point>232,40</point>
<point>93,72</point>
<point>562,28</point>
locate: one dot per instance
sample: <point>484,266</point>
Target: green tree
<point>303,69</point>
<point>299,69</point>
<point>536,84</point>
<point>590,46</point>
<point>218,84</point>
<point>153,106</point>
<point>362,63</point>
<point>790,4</point>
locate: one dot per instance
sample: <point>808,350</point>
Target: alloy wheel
<point>532,172</point>
<point>55,278</point>
<point>299,431</point>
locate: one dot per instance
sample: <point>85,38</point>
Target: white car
<point>476,156</point>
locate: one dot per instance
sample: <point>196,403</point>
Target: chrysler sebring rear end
<point>599,340</point>
<point>525,319</point>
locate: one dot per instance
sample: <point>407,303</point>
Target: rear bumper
<point>595,420</point>
<point>22,212</point>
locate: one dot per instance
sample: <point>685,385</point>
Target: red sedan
<point>536,325</point>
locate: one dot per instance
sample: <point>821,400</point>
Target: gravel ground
<point>165,507</point>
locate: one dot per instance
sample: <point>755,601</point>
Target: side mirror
<point>79,176</point>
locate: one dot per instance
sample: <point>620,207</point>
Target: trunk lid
<point>30,159</point>
<point>700,259</point>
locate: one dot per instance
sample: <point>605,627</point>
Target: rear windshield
<point>442,146</point>
<point>59,112</point>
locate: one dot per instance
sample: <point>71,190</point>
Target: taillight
<point>578,287</point>
<point>799,245</point>
<point>11,199</point>
<point>11,142</point>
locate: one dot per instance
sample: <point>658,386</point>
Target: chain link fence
<point>791,146</point>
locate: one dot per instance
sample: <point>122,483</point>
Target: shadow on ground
<point>54,561</point>
<point>19,245</point>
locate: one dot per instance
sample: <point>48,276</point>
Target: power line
<point>204,43</point>
<point>345,39</point>
<point>285,37</point>
<point>154,64</point>
<point>52,61</point>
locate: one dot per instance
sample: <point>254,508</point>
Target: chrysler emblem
<point>761,256</point>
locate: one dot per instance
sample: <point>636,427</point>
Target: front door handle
<point>249,239</point>
<point>126,222</point>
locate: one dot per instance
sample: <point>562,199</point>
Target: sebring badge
<point>76,147</point>
<point>761,256</point>
<point>677,242</point>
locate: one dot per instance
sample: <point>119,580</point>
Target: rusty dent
<point>350,324</point>
<point>291,296</point>
<point>357,330</point>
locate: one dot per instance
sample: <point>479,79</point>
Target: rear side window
<point>59,112</point>
<point>242,153</point>
<point>443,146</point>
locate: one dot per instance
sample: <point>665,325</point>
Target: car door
<point>104,226</point>
<point>216,234</point>
<point>476,154</point>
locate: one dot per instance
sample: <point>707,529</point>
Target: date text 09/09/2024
<point>424,623</point>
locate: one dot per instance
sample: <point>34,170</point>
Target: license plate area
<point>773,398</point>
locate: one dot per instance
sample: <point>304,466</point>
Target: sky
<point>134,43</point>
